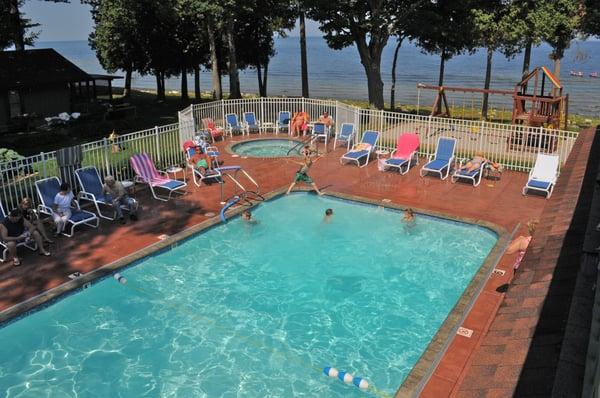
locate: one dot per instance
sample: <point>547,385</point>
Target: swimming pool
<point>256,310</point>
<point>267,148</point>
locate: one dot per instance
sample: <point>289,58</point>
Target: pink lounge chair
<point>147,173</point>
<point>406,151</point>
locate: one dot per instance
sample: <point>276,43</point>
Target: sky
<point>72,21</point>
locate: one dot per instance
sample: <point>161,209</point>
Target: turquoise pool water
<point>267,148</point>
<point>255,310</point>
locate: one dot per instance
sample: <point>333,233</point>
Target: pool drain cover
<point>464,332</point>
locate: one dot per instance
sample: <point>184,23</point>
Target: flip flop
<point>16,262</point>
<point>44,253</point>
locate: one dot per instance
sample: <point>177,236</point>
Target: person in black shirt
<point>26,207</point>
<point>15,229</point>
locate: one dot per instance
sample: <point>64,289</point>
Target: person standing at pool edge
<point>302,173</point>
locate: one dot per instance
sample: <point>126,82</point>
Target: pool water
<point>255,310</point>
<point>267,148</point>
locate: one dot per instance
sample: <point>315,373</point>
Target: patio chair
<point>210,150</point>
<point>442,159</point>
<point>198,177</point>
<point>92,190</point>
<point>283,121</point>
<point>251,124</point>
<point>214,131</point>
<point>233,125</point>
<point>30,244</point>
<point>405,153</point>
<point>544,174</point>
<point>147,173</point>
<point>47,190</point>
<point>319,131</point>
<point>363,150</point>
<point>474,176</point>
<point>346,134</point>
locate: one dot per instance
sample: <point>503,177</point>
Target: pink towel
<point>408,143</point>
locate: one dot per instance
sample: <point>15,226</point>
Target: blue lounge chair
<point>319,131</point>
<point>251,124</point>
<point>544,174</point>
<point>346,134</point>
<point>147,173</point>
<point>473,176</point>
<point>47,190</point>
<point>363,150</point>
<point>283,121</point>
<point>92,190</point>
<point>198,176</point>
<point>443,158</point>
<point>233,125</point>
<point>30,244</point>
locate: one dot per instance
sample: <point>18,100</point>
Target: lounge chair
<point>147,173</point>
<point>544,174</point>
<point>320,131</point>
<point>363,150</point>
<point>198,176</point>
<point>233,125</point>
<point>47,190</point>
<point>210,150</point>
<point>30,244</point>
<point>283,121</point>
<point>443,158</point>
<point>92,190</point>
<point>405,153</point>
<point>250,123</point>
<point>346,134</point>
<point>212,129</point>
<point>474,176</point>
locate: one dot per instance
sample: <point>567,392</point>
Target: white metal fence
<point>18,177</point>
<point>513,146</point>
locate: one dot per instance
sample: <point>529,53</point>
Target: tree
<point>15,26</point>
<point>591,17</point>
<point>445,28</point>
<point>367,24</point>
<point>303,57</point>
<point>493,31</point>
<point>564,17</point>
<point>116,37</point>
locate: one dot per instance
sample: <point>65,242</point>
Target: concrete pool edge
<point>420,372</point>
<point>230,151</point>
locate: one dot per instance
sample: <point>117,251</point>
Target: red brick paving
<point>500,202</point>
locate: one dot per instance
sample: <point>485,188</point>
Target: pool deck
<point>499,202</point>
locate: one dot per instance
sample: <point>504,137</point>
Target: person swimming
<point>247,217</point>
<point>409,217</point>
<point>328,216</point>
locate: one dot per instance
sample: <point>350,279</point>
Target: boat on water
<point>576,73</point>
<point>594,74</point>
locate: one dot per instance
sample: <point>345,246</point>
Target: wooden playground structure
<point>543,106</point>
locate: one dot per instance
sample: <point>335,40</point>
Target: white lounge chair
<point>544,174</point>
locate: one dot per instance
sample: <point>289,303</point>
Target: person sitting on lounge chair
<point>476,162</point>
<point>299,123</point>
<point>326,120</point>
<point>30,215</point>
<point>15,229</point>
<point>521,243</point>
<point>201,161</point>
<point>62,207</point>
<point>120,197</point>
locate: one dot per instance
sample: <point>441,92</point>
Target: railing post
<point>157,138</point>
<point>106,156</point>
<point>481,129</point>
<point>44,171</point>
<point>262,110</point>
<point>223,113</point>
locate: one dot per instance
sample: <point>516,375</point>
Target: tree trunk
<point>197,93</point>
<point>303,61</point>
<point>260,82</point>
<point>158,83</point>
<point>527,57</point>
<point>184,85</point>
<point>234,78</point>
<point>18,31</point>
<point>163,88</point>
<point>441,80</point>
<point>393,88</point>
<point>127,89</point>
<point>217,92</point>
<point>265,76</point>
<point>557,74</point>
<point>488,78</point>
